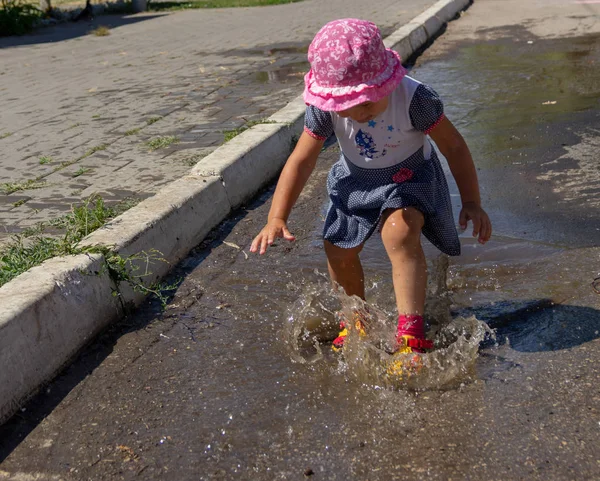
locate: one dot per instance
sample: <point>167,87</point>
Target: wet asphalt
<point>209,388</point>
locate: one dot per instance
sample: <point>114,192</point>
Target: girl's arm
<point>296,172</point>
<point>454,148</point>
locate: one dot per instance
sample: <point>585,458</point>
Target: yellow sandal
<point>338,342</point>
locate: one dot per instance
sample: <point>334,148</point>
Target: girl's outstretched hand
<point>482,225</point>
<point>275,228</point>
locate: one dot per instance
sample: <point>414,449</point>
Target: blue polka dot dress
<point>387,163</point>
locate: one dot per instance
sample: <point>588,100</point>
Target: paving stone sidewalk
<point>78,110</point>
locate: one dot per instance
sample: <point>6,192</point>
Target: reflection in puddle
<point>529,113</point>
<point>286,73</point>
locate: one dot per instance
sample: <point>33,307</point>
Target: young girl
<point>388,176</point>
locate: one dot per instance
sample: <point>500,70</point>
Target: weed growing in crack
<point>230,134</point>
<point>161,142</point>
<point>84,219</point>
<point>153,120</point>
<point>92,151</point>
<point>134,269</point>
<point>192,160</point>
<point>81,171</point>
<point>31,184</point>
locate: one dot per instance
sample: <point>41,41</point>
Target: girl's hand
<point>275,228</point>
<point>482,226</point>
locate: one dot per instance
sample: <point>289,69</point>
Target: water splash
<point>311,324</point>
<point>447,366</point>
<point>311,321</point>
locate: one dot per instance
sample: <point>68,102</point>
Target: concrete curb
<point>50,312</point>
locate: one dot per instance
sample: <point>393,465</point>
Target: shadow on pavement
<point>539,325</point>
<point>71,30</point>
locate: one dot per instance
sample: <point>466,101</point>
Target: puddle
<point>530,114</point>
<point>269,50</point>
<point>302,49</point>
<point>501,86</point>
<point>292,72</point>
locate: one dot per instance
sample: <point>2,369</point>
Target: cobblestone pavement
<point>78,110</point>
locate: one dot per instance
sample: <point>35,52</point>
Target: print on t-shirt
<point>366,145</point>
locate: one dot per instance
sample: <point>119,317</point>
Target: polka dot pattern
<point>426,108</point>
<point>318,122</point>
<point>358,198</point>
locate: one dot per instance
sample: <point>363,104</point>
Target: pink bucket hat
<point>350,65</point>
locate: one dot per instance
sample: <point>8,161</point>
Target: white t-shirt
<point>414,109</point>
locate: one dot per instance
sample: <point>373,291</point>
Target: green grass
<point>161,142</point>
<point>20,255</point>
<point>85,218</point>
<point>192,160</point>
<point>162,6</point>
<point>126,204</point>
<point>37,229</point>
<point>133,131</point>
<point>45,159</point>
<point>11,187</point>
<point>17,17</point>
<point>20,16</point>
<point>81,171</point>
<point>5,134</point>
<point>230,134</point>
<point>93,150</point>
<point>31,248</point>
<point>96,116</point>
<point>19,202</point>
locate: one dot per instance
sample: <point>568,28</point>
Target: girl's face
<point>366,111</point>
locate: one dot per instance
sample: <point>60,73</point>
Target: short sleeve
<point>318,123</point>
<point>426,109</point>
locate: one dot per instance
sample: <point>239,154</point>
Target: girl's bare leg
<point>401,234</point>
<point>345,268</point>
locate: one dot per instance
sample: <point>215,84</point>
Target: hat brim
<point>342,98</point>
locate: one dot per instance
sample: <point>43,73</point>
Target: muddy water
<point>227,384</point>
<point>530,109</point>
